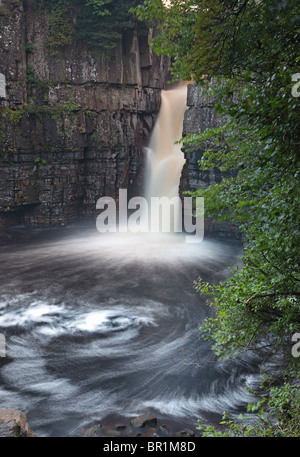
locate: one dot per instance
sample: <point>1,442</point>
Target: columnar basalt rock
<point>73,125</point>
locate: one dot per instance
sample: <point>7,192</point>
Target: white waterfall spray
<point>165,159</point>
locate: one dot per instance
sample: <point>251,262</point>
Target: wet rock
<point>93,430</point>
<point>164,429</point>
<point>186,433</point>
<point>13,423</point>
<point>199,116</point>
<point>142,421</point>
<point>120,427</point>
<point>148,423</point>
<point>90,119</point>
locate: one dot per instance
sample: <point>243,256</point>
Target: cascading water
<point>107,324</point>
<point>165,158</point>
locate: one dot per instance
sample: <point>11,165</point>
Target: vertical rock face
<point>73,125</point>
<point>199,116</point>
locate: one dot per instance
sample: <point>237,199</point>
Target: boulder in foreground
<point>141,421</point>
<point>13,423</point>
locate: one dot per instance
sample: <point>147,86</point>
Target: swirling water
<point>103,323</point>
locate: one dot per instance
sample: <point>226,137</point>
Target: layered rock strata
<point>74,124</point>
<point>199,116</point>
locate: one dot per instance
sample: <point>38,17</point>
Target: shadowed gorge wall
<point>73,125</point>
<point>199,116</point>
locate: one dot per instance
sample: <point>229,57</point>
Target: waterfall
<point>161,208</point>
<point>119,308</point>
<point>165,159</point>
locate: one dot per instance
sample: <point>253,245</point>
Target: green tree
<point>99,23</point>
<point>102,27</point>
<point>245,53</point>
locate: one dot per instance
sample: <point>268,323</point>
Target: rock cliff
<point>199,116</point>
<point>74,124</point>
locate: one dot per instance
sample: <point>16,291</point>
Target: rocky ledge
<point>13,423</point>
<point>145,425</point>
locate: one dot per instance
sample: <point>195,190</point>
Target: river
<point>100,324</point>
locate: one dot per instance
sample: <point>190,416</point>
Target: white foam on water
<point>36,312</point>
<point>91,321</point>
<point>175,404</point>
<point>73,352</point>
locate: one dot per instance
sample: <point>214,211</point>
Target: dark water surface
<point>103,324</point>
